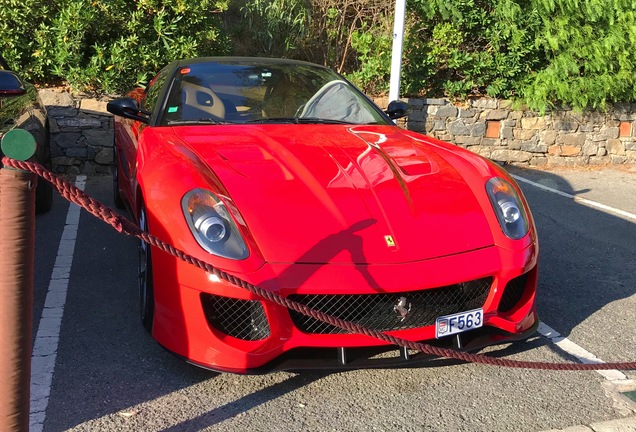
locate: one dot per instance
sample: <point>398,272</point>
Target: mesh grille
<point>242,319</point>
<point>513,293</point>
<point>376,311</point>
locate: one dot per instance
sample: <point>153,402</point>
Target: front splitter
<point>379,357</point>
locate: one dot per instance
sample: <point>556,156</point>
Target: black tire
<point>43,196</point>
<point>44,189</point>
<point>146,288</point>
<point>119,202</point>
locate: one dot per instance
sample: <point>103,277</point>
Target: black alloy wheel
<point>146,289</point>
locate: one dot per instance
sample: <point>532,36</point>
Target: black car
<point>21,107</point>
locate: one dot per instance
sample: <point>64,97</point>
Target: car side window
<point>154,88</point>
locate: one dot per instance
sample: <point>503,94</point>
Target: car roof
<point>252,60</point>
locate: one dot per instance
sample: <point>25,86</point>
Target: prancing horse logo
<point>401,308</point>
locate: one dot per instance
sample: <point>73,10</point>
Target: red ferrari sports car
<point>284,174</point>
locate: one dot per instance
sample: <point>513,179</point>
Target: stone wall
<point>82,132</point>
<point>560,138</point>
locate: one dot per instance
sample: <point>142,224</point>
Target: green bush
<point>110,45</point>
<point>320,31</point>
<point>466,48</point>
<point>333,26</point>
<point>453,48</point>
<point>545,53</point>
<point>373,48</point>
<point>590,52</point>
<point>268,27</point>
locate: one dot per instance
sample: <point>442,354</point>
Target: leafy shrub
<point>334,24</point>
<point>465,48</point>
<point>590,52</point>
<point>373,49</point>
<point>268,27</point>
<point>545,53</point>
<point>320,31</point>
<point>109,45</point>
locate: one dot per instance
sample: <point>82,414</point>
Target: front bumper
<point>378,357</point>
<point>182,325</point>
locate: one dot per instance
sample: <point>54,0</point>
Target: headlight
<point>507,205</point>
<point>212,225</point>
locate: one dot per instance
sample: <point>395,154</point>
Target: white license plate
<point>459,322</point>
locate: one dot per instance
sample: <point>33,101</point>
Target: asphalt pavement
<point>109,375</point>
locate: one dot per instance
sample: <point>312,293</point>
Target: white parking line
<point>563,343</point>
<point>580,200</point>
<point>578,352</point>
<point>48,335</point>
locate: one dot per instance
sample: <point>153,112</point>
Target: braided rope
<point>123,225</point>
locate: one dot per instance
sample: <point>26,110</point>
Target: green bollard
<point>18,144</point>
<point>17,243</point>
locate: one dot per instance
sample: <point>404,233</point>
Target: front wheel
<point>146,289</point>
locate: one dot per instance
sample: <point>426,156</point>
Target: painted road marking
<point>48,335</point>
<point>578,352</point>
<point>580,200</point>
<point>564,343</point>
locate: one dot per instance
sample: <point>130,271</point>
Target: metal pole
<point>17,242</point>
<point>396,54</point>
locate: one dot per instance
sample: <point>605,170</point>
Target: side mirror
<point>128,108</point>
<point>398,109</point>
<point>10,84</point>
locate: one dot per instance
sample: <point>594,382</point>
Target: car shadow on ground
<point>247,402</point>
<point>587,255</point>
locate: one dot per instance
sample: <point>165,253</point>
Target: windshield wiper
<point>298,120</point>
<point>321,120</point>
<point>199,121</point>
<point>275,120</point>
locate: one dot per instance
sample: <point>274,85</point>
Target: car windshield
<point>264,92</point>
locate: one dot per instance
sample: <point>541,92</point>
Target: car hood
<point>342,194</point>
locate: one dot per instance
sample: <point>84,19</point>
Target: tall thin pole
<point>396,56</point>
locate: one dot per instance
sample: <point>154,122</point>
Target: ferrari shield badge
<point>389,241</point>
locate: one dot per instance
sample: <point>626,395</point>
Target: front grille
<point>376,311</point>
<point>242,319</point>
<point>513,293</point>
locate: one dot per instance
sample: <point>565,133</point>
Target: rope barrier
<point>123,225</point>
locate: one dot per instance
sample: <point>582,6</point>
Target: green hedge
<point>589,52</point>
<point>545,53</point>
<point>108,45</point>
